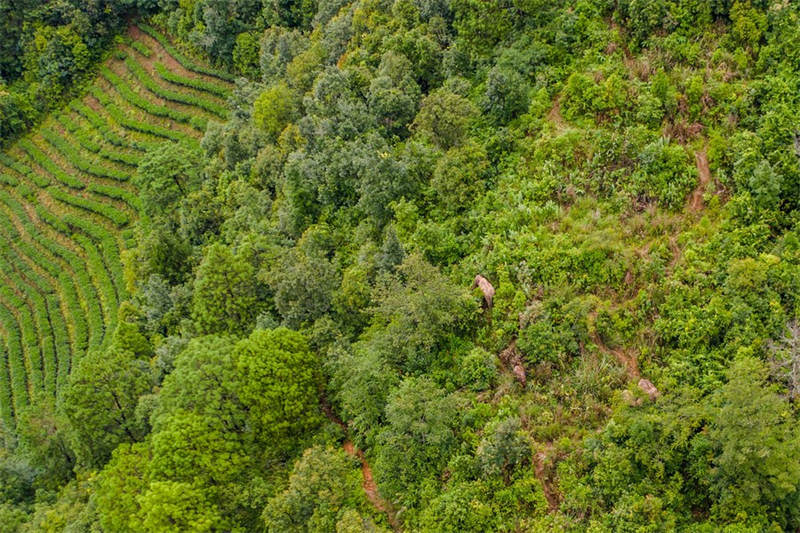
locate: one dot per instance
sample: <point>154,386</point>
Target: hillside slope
<point>447,265</point>
<point>68,203</point>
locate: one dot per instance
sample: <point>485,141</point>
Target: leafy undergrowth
<point>445,266</point>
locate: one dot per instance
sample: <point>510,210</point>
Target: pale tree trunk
<point>786,358</point>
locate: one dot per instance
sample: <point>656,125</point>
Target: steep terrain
<point>67,203</point>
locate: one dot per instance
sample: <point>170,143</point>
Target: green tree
<point>196,448</point>
<point>461,177</point>
<point>44,442</point>
<point>504,449</point>
<point>757,451</point>
<point>274,109</point>
<point>205,381</point>
<point>226,292</point>
<point>445,117</point>
<point>119,486</point>
<point>100,402</point>
<point>419,437</point>
<point>417,309</point>
<point>324,484</point>
<point>279,379</point>
<point>165,175</point>
<point>179,506</point>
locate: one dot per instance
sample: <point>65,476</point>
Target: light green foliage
<point>119,486</point>
<point>478,370</point>
<point>274,109</point>
<point>748,23</point>
<point>196,448</point>
<point>245,54</point>
<point>204,381</point>
<point>225,292</point>
<point>279,377</point>
<point>463,507</point>
<point>170,505</point>
<point>100,400</point>
<point>323,485</point>
<point>665,169</point>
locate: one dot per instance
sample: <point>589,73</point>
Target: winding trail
<point>696,200</point>
<point>627,358</point>
<point>545,476</point>
<point>368,484</point>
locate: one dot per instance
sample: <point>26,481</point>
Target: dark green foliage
<point>166,175</point>
<point>280,307</point>
<point>100,402</point>
<point>46,47</point>
<point>419,436</point>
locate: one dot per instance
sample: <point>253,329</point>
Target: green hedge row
<point>24,170</point>
<point>130,198</point>
<point>101,124</point>
<point>89,142</point>
<point>143,77</point>
<point>141,48</point>
<point>75,314</point>
<point>61,341</point>
<point>80,329</point>
<point>65,278</point>
<point>42,351</point>
<point>85,140</point>
<point>40,256</point>
<point>102,280</point>
<point>187,63</point>
<point>72,154</point>
<point>47,164</point>
<point>47,347</point>
<point>116,216</point>
<point>108,246</point>
<point>30,342</point>
<point>143,127</point>
<point>192,83</point>
<point>15,254</point>
<point>137,100</point>
<point>86,290</point>
<point>8,179</point>
<point>16,358</point>
<point>6,401</point>
<point>12,242</point>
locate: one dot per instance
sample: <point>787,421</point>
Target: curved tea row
<point>66,200</point>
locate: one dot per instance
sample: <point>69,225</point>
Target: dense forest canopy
<point>400,265</point>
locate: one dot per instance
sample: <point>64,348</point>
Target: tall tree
<point>100,401</point>
<point>226,293</point>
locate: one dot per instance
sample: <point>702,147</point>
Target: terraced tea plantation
<point>67,204</point>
